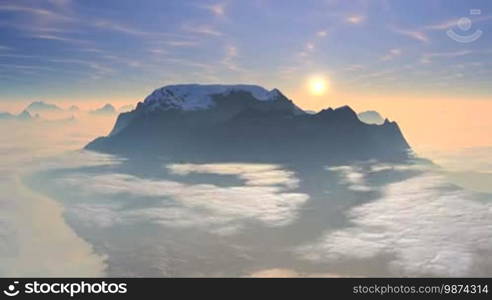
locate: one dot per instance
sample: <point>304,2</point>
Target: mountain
<point>6,116</point>
<point>125,108</point>
<point>23,116</point>
<point>107,109</point>
<point>40,106</point>
<point>73,108</point>
<point>245,123</point>
<point>371,117</point>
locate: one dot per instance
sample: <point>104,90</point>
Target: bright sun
<point>318,85</point>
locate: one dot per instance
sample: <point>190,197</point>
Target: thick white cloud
<point>265,198</point>
<point>252,174</point>
<point>424,227</point>
<point>353,177</point>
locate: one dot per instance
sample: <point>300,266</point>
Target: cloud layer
<point>266,197</point>
<point>423,225</point>
<point>35,240</point>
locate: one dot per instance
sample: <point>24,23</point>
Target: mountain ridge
<point>107,109</point>
<point>41,106</point>
<point>236,125</point>
<point>199,96</point>
<point>23,116</point>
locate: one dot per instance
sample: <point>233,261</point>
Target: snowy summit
<point>198,97</point>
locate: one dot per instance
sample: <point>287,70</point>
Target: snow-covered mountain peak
<point>198,97</point>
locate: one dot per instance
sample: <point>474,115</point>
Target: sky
<point>397,57</point>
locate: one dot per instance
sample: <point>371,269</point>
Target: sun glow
<point>318,85</point>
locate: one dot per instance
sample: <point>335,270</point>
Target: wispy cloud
<point>186,62</point>
<point>355,19</point>
<point>421,33</point>
<point>157,51</point>
<point>91,50</point>
<point>58,38</point>
<point>231,53</point>
<point>309,48</point>
<point>377,74</point>
<point>43,28</point>
<point>18,55</point>
<point>311,45</point>
<point>57,18</point>
<point>124,60</point>
<point>109,25</point>
<point>177,43</point>
<point>217,9</point>
<point>352,68</point>
<point>454,22</point>
<point>427,57</point>
<point>42,20</point>
<point>40,12</point>
<point>449,54</point>
<point>26,67</point>
<point>99,68</point>
<point>203,30</point>
<point>442,26</point>
<point>414,34</point>
<point>288,71</point>
<point>62,4</point>
<point>392,53</point>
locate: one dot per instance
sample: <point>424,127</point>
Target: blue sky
<point>65,50</point>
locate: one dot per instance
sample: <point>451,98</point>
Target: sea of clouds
<point>67,212</point>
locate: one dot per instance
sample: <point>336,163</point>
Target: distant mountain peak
<point>326,110</point>
<point>345,109</point>
<point>343,112</point>
<point>371,117</point>
<point>108,106</point>
<point>126,108</point>
<point>42,106</point>
<point>73,108</point>
<point>190,97</point>
<point>23,116</point>
<point>105,110</point>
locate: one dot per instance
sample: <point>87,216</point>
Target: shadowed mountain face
<point>245,123</point>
